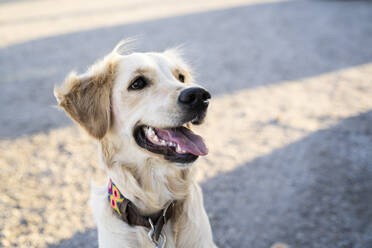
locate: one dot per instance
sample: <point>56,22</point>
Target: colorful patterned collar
<point>131,215</point>
<point>115,197</point>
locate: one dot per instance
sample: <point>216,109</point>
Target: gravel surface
<point>289,128</point>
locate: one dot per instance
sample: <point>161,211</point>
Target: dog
<point>140,107</point>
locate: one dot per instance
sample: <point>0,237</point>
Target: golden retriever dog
<point>140,108</point>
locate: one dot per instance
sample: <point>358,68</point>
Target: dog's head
<point>145,103</point>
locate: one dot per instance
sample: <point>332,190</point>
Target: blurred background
<point>289,128</point>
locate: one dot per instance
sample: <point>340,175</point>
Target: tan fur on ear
<point>86,98</point>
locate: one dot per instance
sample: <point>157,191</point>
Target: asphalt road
<point>289,129</point>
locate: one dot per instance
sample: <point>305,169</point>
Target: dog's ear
<point>86,98</point>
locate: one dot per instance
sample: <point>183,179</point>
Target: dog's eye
<point>138,84</point>
<point>181,77</point>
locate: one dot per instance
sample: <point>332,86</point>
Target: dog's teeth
<point>156,138</point>
<point>162,142</point>
<point>178,149</point>
<point>172,143</point>
<point>150,130</point>
<point>183,151</point>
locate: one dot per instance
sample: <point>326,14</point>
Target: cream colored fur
<point>145,178</point>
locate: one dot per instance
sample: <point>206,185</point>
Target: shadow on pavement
<point>312,193</point>
<point>80,239</point>
<point>232,49</point>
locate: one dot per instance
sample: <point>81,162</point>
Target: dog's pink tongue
<point>187,140</point>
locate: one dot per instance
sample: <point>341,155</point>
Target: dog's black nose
<point>194,98</point>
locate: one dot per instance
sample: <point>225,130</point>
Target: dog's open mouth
<point>177,144</point>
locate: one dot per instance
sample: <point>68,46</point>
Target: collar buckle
<point>160,242</point>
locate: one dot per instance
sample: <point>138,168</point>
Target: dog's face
<point>153,100</point>
<point>146,100</point>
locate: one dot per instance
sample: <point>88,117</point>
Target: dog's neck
<point>150,186</point>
